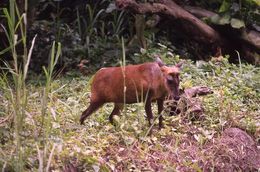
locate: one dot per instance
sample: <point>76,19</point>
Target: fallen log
<point>250,36</point>
<point>215,39</point>
<point>189,105</point>
<point>190,24</point>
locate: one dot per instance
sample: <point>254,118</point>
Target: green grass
<point>100,145</point>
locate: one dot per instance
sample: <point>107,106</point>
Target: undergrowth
<point>100,146</point>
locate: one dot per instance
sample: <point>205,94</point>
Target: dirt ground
<point>233,150</point>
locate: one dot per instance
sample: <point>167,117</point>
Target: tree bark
<point>250,36</point>
<point>190,24</point>
<point>186,19</point>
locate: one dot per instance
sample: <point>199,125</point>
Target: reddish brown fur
<point>143,83</point>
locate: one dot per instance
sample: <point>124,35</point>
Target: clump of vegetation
<point>39,115</point>
<point>100,145</point>
<point>91,33</point>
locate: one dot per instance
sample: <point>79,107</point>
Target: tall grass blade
<point>48,74</point>
<point>50,157</point>
<point>123,71</point>
<point>79,23</point>
<point>29,58</point>
<point>240,64</point>
<point>40,158</point>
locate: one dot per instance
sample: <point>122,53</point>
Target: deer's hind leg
<point>92,108</point>
<point>116,111</point>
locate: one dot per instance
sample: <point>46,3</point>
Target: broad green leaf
<point>236,23</point>
<point>224,6</point>
<point>255,2</point>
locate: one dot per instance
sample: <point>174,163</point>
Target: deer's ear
<point>159,61</point>
<point>179,65</point>
<point>164,69</point>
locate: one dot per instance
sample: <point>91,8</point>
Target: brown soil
<point>235,150</point>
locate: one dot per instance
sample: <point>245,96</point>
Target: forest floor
<point>184,144</point>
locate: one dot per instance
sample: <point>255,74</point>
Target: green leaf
<point>224,19</point>
<point>215,19</point>
<point>236,23</point>
<point>224,6</point>
<point>220,20</point>
<point>257,2</point>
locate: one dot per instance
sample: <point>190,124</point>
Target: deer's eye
<point>169,79</point>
